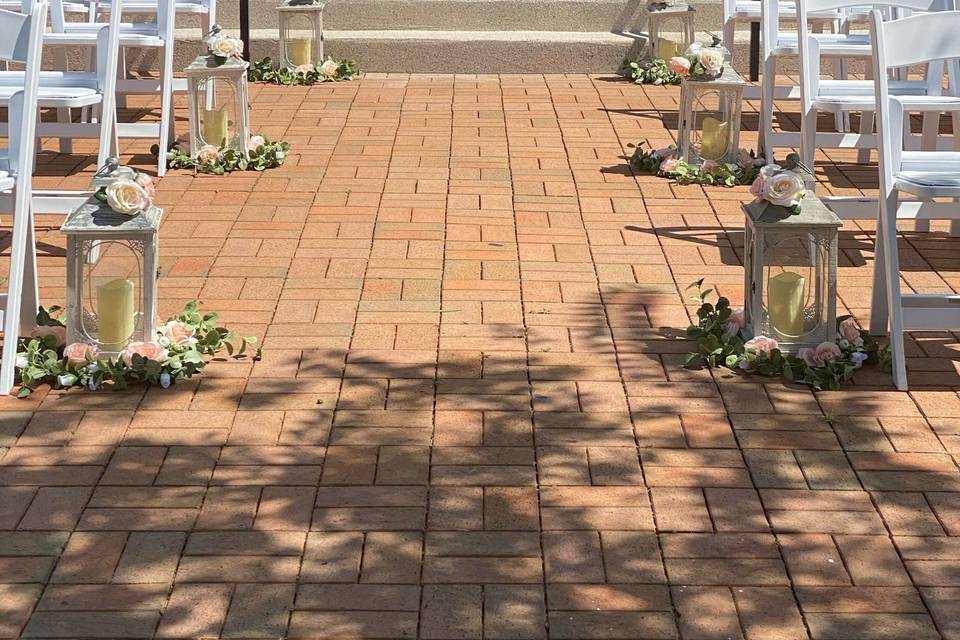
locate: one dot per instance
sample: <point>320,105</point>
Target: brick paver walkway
<point>470,420</point>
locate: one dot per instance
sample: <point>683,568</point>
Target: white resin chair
<point>915,40</point>
<point>21,41</point>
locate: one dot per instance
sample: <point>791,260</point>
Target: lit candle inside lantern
<point>216,126</point>
<point>115,313</point>
<point>667,48</point>
<point>713,140</point>
<point>785,298</point>
<point>301,51</point>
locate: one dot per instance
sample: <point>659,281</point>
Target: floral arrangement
<point>177,353</point>
<point>221,46</point>
<point>655,72</point>
<point>128,196</point>
<point>667,163</point>
<point>720,340</point>
<point>700,62</point>
<point>779,186</point>
<point>262,153</point>
<point>306,74</point>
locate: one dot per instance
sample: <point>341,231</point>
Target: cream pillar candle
<point>785,298</point>
<point>115,313</point>
<point>216,126</point>
<point>713,141</point>
<point>667,48</point>
<point>301,51</point>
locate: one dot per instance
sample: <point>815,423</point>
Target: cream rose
<point>680,66</point>
<point>208,153</point>
<point>80,353</point>
<point>329,68</point>
<point>127,197</point>
<point>177,333</point>
<point>226,46</point>
<point>669,165</point>
<point>304,68</point>
<point>849,331</point>
<point>784,189</point>
<point>761,344</point>
<point>149,350</point>
<point>58,332</point>
<point>824,353</point>
<point>711,59</point>
<point>255,143</point>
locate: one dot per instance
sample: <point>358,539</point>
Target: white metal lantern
<point>301,32</point>
<point>675,20</point>
<point>709,125</point>
<point>790,271</point>
<point>217,100</point>
<point>111,273</point>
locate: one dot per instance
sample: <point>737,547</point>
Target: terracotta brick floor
<point>471,420</point>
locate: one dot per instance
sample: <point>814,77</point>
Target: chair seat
<point>52,79</point>
<point>7,181</point>
<point>68,7</point>
<point>929,173</point>
<point>148,6</point>
<point>85,34</point>
<point>831,44</point>
<point>859,94</point>
<point>70,97</point>
<point>749,10</point>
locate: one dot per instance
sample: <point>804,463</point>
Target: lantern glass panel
<point>714,126</point>
<point>300,39</point>
<point>217,104</point>
<point>795,285</point>
<point>671,36</point>
<point>110,294</point>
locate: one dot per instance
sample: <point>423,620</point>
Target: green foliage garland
<point>667,163</point>
<point>264,71</point>
<point>219,161</point>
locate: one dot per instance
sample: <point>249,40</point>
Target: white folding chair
<point>21,41</point>
<point>853,95</point>
<point>915,40</point>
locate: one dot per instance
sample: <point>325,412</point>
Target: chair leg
<point>808,138</point>
<point>20,308</point>
<point>63,113</point>
<point>122,75</point>
<point>768,89</point>
<point>167,125</point>
<point>729,31</point>
<point>879,310</point>
<point>888,226</point>
<point>866,128</point>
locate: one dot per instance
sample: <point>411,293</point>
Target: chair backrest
<point>914,40</point>
<point>21,41</point>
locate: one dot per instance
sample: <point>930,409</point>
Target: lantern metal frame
<point>661,14</point>
<point>203,74</point>
<point>89,229</point>
<point>289,12</point>
<point>728,88</point>
<point>768,226</point>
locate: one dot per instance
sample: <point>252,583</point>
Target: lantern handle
<point>109,166</point>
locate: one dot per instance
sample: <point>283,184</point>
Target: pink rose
<point>58,332</point>
<point>80,353</point>
<point>669,165</point>
<point>148,350</point>
<point>761,344</point>
<point>849,331</point>
<point>177,333</point>
<point>735,322</point>
<point>147,183</point>
<point>708,166</point>
<point>255,143</point>
<point>665,153</point>
<point>208,153</point>
<point>680,66</point>
<point>304,68</point>
<point>329,68</point>
<point>824,354</point>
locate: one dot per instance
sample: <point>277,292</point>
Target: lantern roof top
<point>301,5</point>
<point>95,219</point>
<point>204,65</point>
<point>813,213</point>
<point>728,76</point>
<point>667,7</point>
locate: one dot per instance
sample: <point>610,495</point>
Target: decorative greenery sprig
<point>718,335</point>
<point>667,163</point>
<point>307,74</point>
<point>263,154</point>
<point>655,72</point>
<point>178,352</point>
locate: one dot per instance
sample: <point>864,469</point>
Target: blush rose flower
<point>176,333</point>
<point>306,67</point>
<point>149,350</point>
<point>226,46</point>
<point>746,161</point>
<point>255,143</point>
<point>680,66</point>
<point>765,172</point>
<point>329,68</point>
<point>208,153</point>
<point>735,322</point>
<point>58,332</point>
<point>669,165</point>
<point>79,353</point>
<point>711,59</point>
<point>147,183</point>
<point>785,189</point>
<point>709,166</point>
<point>824,353</point>
<point>666,152</point>
<point>127,197</point>
<point>761,344</point>
<point>849,331</point>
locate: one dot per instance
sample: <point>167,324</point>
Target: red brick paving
<point>471,420</point>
